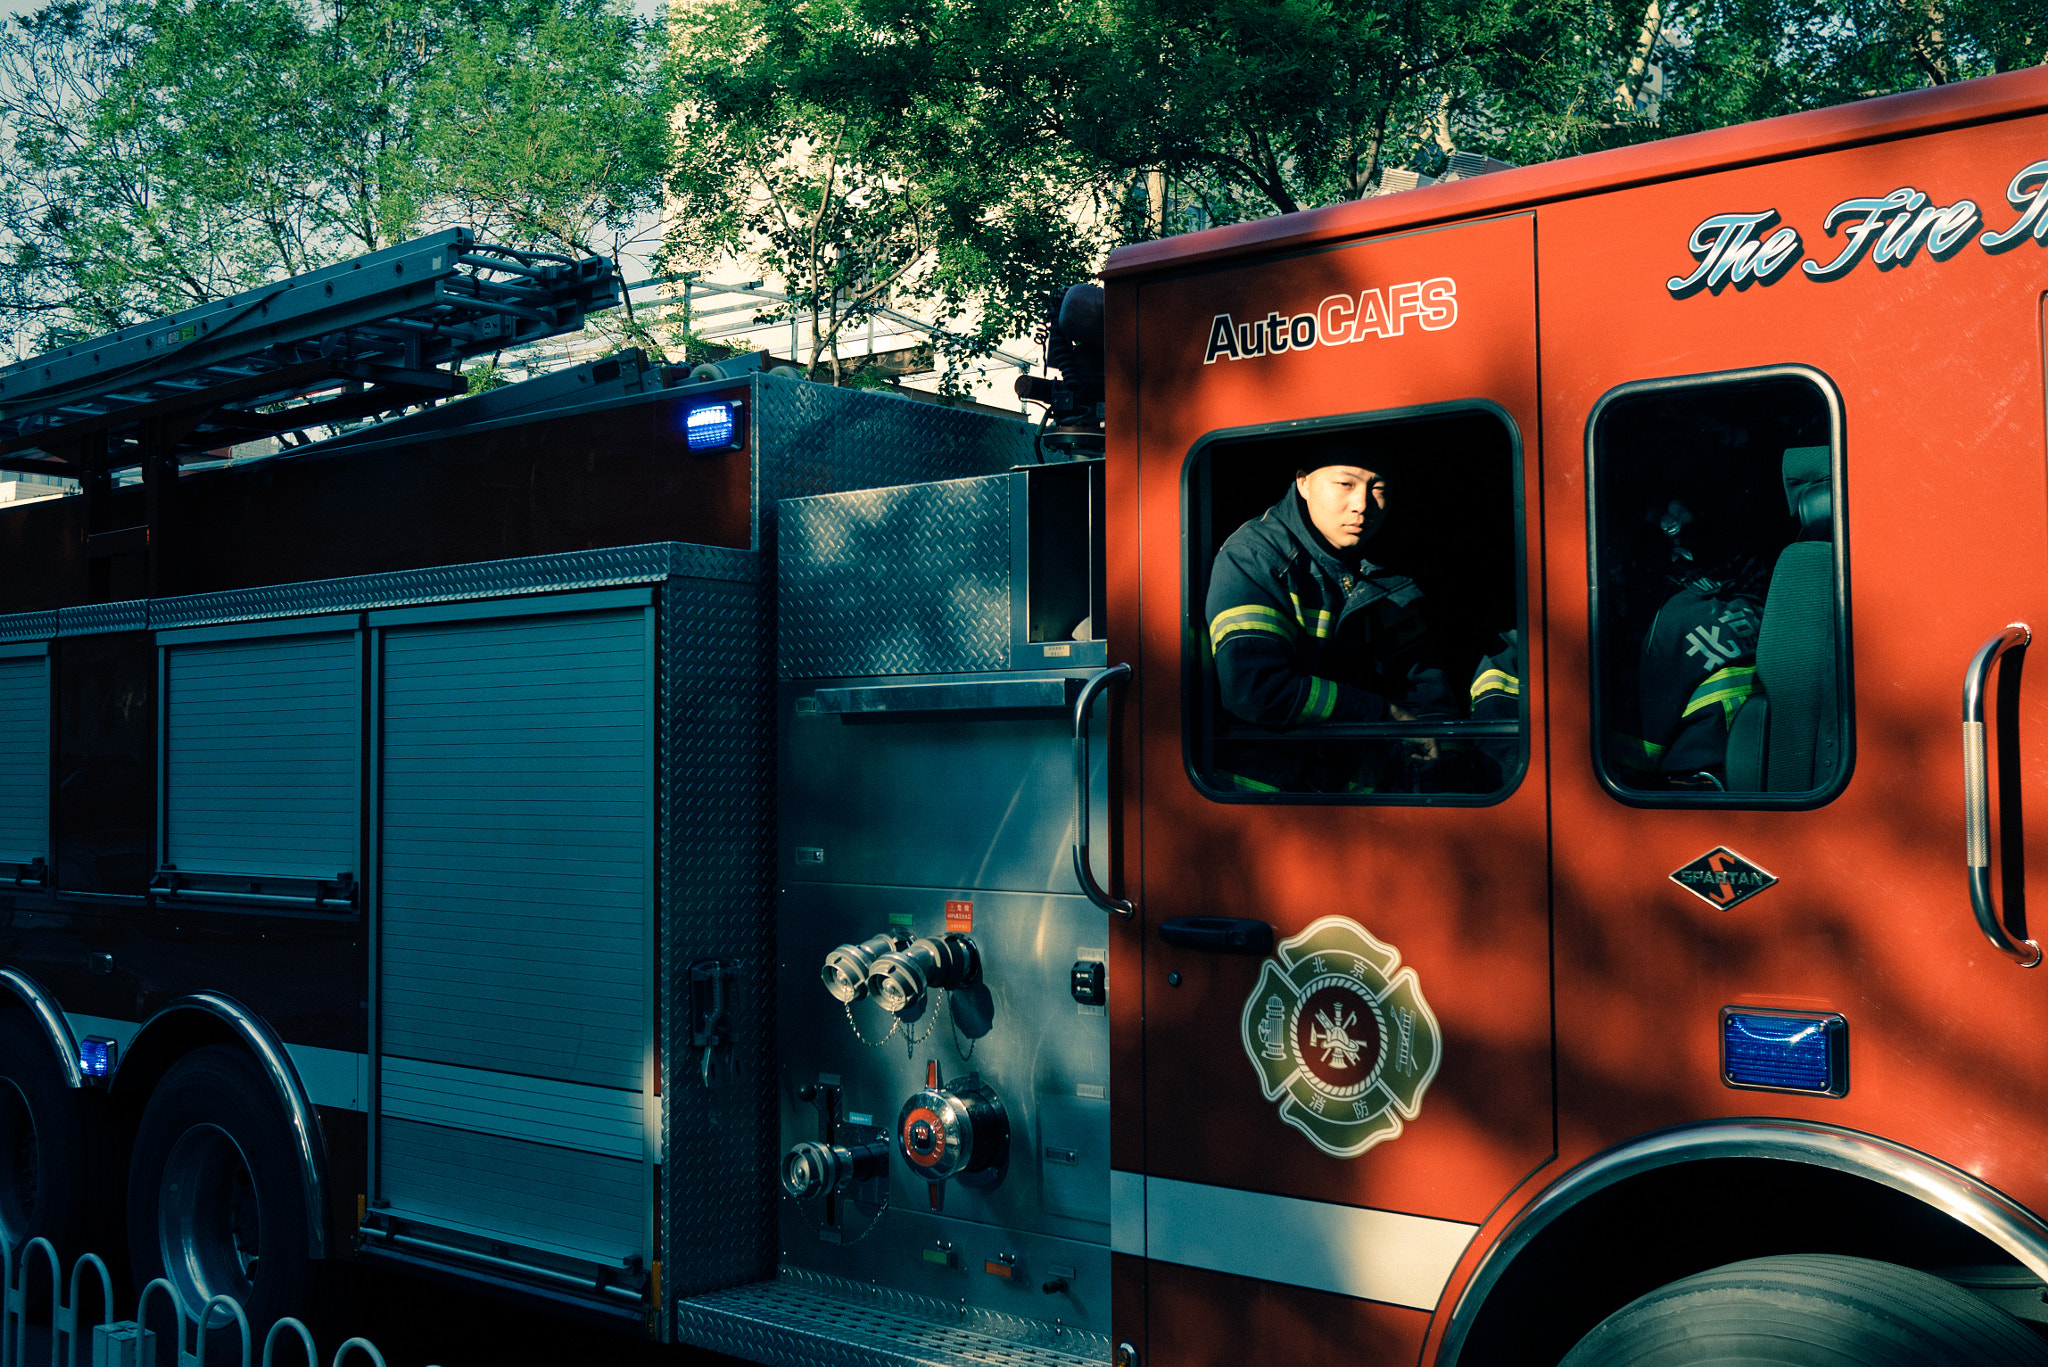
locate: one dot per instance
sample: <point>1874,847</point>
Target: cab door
<point>1329,1114</point>
<point>1709,913</point>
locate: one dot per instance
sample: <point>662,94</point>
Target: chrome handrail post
<point>354,1344</point>
<point>1977,797</point>
<point>296,1326</point>
<point>69,1323</point>
<point>1084,704</point>
<point>205,1314</point>
<point>9,1351</point>
<point>18,1301</point>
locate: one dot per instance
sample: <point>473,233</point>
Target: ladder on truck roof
<point>367,336</point>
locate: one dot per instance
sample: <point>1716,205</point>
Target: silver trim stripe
<point>333,1078</point>
<point>1376,1255</point>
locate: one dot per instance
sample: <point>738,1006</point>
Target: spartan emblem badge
<point>1721,878</point>
<point>1341,1037</point>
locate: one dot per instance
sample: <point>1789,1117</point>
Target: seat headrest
<point>1809,491</point>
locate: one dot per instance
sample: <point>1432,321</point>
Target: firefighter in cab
<point>1307,631</point>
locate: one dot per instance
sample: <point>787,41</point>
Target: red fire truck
<point>1654,987</point>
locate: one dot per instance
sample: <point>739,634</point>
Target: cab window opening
<point>1721,659</point>
<point>1354,611</point>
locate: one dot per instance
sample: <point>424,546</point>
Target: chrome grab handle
<point>1083,705</point>
<point>1977,798</point>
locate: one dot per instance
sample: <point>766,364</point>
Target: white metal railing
<point>128,1343</point>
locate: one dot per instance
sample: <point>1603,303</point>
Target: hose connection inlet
<point>900,979</point>
<point>846,969</point>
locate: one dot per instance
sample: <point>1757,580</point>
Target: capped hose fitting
<point>846,969</point>
<point>813,1169</point>
<point>899,980</point>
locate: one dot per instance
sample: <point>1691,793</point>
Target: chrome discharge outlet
<point>956,1129</point>
<point>846,968</point>
<point>899,980</point>
<point>812,1169</point>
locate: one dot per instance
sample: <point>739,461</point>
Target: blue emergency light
<point>1785,1051</point>
<point>713,426</point>
<point>98,1055</point>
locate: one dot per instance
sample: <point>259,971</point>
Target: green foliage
<point>868,152</point>
<point>155,154</point>
<point>978,152</point>
<point>952,159</point>
<point>1732,61</point>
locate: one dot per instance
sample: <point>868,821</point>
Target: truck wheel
<point>216,1202</point>
<point>43,1168</point>
<point>1809,1310</point>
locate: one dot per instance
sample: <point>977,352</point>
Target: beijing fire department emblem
<point>1341,1037</point>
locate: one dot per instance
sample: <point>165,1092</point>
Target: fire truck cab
<point>1698,933</point>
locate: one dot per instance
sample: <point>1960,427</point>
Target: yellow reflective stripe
<point>1250,612</point>
<point>1316,622</point>
<point>1250,785</point>
<point>1496,681</point>
<point>1221,632</point>
<point>1251,617</point>
<point>1320,702</point>
<point>1728,687</point>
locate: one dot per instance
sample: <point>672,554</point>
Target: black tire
<point>47,1150</point>
<point>1809,1310</point>
<point>216,1199</point>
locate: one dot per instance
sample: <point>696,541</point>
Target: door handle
<point>1220,934</point>
<point>1977,798</point>
<point>1083,705</point>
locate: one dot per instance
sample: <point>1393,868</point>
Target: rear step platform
<point>805,1320</point>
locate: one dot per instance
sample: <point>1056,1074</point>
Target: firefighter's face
<point>1346,502</point>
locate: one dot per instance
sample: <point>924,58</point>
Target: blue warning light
<point>97,1056</point>
<point>712,426</point>
<point>1784,1051</point>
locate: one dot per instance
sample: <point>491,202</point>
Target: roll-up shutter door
<point>262,756</point>
<point>24,759</point>
<point>515,868</point>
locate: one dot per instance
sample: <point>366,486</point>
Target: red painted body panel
<point>1206,1317</point>
<point>1939,365</point>
<point>1458,891</point>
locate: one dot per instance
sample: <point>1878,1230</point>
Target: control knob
<point>954,1130</point>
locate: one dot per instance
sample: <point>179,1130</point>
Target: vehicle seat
<point>1787,737</point>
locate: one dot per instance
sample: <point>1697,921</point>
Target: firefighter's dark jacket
<point>1300,635</point>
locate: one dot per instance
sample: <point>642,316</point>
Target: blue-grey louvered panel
<point>567,1115</point>
<point>516,846</point>
<point>262,756</point>
<point>567,1201</point>
<point>24,759</point>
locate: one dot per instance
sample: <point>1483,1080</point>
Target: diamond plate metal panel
<point>717,809</point>
<point>28,626</point>
<point>91,620</point>
<point>911,580</point>
<point>799,1320</point>
<point>819,440</point>
<point>604,568</point>
<point>716,862</point>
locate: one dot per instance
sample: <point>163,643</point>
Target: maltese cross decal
<point>1341,1037</point>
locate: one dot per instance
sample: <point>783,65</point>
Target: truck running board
<point>806,1320</point>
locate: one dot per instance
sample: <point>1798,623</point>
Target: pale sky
<point>9,8</point>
